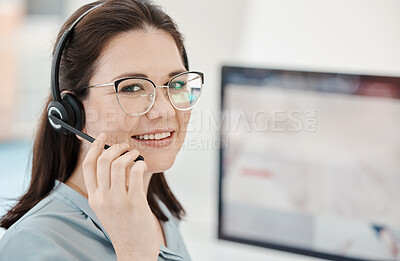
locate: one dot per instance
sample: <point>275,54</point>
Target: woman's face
<point>154,55</point>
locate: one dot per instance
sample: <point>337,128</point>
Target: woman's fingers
<point>104,164</point>
<point>109,169</point>
<point>119,168</point>
<point>89,165</point>
<point>136,177</point>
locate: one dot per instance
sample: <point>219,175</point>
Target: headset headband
<point>55,68</point>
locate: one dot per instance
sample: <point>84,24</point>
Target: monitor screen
<point>310,162</point>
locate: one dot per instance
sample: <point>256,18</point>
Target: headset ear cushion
<point>76,109</point>
<point>58,110</point>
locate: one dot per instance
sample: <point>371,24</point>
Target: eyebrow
<point>132,74</point>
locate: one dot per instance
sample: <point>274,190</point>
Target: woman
<point>87,203</point>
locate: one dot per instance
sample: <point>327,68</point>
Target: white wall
<point>355,35</point>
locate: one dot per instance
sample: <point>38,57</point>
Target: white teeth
<point>156,136</point>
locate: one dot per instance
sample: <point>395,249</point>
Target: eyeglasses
<point>136,95</point>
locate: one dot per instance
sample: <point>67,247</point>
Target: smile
<point>155,136</point>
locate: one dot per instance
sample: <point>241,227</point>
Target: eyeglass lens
<point>136,96</point>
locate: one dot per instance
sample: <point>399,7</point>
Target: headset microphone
<point>65,112</point>
<point>81,134</point>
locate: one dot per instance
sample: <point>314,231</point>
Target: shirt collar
<point>80,203</point>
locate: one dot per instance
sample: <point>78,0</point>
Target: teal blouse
<point>63,227</point>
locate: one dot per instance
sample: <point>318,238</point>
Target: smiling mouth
<point>154,136</point>
<point>158,139</point>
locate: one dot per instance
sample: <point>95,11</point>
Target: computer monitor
<point>310,162</point>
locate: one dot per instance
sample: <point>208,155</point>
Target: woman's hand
<point>116,194</point>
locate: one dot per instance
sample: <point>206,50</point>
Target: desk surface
<point>202,243</point>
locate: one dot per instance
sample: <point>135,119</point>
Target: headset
<point>65,112</point>
<point>66,108</point>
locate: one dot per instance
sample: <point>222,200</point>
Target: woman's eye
<point>178,84</point>
<point>132,88</point>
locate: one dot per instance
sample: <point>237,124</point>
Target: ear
<point>67,91</point>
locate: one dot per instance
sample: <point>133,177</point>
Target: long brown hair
<point>55,155</point>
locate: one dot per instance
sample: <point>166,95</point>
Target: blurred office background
<point>357,36</point>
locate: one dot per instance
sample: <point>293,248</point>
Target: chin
<point>158,165</point>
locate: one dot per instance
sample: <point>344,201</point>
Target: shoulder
<point>43,231</point>
<point>31,238</point>
<point>25,243</point>
<point>46,216</point>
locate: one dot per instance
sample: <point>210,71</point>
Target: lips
<point>155,138</point>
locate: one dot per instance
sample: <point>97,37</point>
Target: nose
<point>162,107</point>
